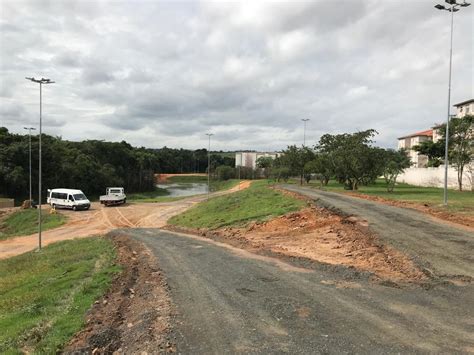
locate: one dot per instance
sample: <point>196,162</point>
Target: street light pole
<point>29,155</point>
<point>304,143</point>
<point>304,130</point>
<point>209,165</point>
<point>454,8</point>
<point>40,82</point>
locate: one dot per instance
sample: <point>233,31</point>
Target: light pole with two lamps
<point>41,82</point>
<point>454,7</point>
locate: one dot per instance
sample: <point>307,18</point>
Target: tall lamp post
<point>304,130</point>
<point>29,129</point>
<point>41,82</point>
<point>209,165</point>
<point>304,143</point>
<point>453,7</point>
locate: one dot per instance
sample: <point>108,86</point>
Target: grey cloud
<point>167,72</point>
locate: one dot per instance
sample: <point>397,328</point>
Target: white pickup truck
<point>113,196</point>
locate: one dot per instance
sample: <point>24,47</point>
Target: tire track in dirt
<point>129,224</point>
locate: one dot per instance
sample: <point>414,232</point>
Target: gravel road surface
<point>230,301</point>
<point>441,249</point>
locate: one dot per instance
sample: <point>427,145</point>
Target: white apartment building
<point>465,108</point>
<point>407,142</point>
<point>249,159</point>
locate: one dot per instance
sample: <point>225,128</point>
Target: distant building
<point>249,159</point>
<point>409,141</point>
<point>465,108</point>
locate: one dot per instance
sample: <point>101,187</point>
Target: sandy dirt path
<point>101,220</point>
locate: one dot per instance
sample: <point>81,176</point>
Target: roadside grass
<point>459,201</point>
<point>147,195</point>
<point>44,295</point>
<point>25,222</point>
<point>217,185</point>
<point>256,203</point>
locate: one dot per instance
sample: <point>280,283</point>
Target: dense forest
<point>92,165</point>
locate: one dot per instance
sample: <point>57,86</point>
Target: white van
<point>68,198</point>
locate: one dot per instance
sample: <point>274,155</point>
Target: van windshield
<point>79,197</point>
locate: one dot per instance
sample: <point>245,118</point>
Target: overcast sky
<point>165,73</point>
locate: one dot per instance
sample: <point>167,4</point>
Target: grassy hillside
<point>44,296</point>
<point>25,222</point>
<point>258,202</point>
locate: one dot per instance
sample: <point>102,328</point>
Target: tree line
<point>92,165</point>
<point>348,158</point>
<point>352,160</point>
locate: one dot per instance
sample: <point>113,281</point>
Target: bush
<point>225,172</point>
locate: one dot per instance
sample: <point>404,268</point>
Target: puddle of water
<point>184,189</point>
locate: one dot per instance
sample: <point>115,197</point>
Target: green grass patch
<point>187,179</point>
<point>25,222</point>
<point>458,201</point>
<point>217,185</point>
<point>256,203</point>
<point>44,295</point>
<point>147,195</point>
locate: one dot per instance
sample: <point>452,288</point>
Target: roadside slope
<point>442,250</point>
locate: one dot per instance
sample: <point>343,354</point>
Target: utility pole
<point>29,155</point>
<point>453,8</point>
<point>304,143</point>
<point>41,82</point>
<point>209,165</point>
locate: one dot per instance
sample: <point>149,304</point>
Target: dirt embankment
<point>319,235</point>
<point>134,316</point>
<point>458,218</point>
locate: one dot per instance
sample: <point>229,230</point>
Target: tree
<point>461,144</point>
<point>295,158</point>
<point>352,159</point>
<point>281,173</point>
<point>433,150</point>
<point>395,163</point>
<point>266,164</point>
<point>225,172</point>
<point>321,166</point>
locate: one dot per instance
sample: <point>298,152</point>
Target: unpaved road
<point>231,301</point>
<point>100,220</point>
<point>441,249</point>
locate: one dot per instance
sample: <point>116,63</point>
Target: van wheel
<point>54,206</point>
<point>74,208</point>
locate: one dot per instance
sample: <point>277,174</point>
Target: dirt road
<point>100,220</point>
<point>231,301</point>
<point>441,249</point>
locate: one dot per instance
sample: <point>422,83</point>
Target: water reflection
<point>184,189</point>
